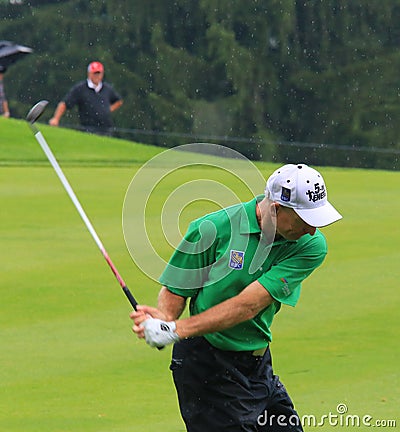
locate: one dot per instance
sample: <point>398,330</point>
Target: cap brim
<point>320,216</point>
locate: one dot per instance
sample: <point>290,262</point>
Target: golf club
<point>35,112</point>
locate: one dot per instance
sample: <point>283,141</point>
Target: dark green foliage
<point>277,70</point>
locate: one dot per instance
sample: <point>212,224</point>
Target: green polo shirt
<point>222,253</point>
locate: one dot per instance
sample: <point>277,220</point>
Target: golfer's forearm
<point>215,319</point>
<point>170,304</point>
<point>227,314</point>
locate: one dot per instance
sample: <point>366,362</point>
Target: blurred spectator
<point>96,100</point>
<point>4,111</point>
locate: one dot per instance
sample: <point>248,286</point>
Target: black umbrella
<point>10,52</point>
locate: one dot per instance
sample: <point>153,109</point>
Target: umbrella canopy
<point>11,52</point>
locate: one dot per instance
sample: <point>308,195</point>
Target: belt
<point>202,340</point>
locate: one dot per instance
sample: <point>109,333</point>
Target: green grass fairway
<point>69,361</point>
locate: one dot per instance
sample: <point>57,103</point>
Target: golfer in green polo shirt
<point>237,266</point>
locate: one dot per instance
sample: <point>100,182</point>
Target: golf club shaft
<point>39,137</point>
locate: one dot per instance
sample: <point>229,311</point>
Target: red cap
<point>95,67</point>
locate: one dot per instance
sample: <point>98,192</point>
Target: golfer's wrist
<point>180,329</point>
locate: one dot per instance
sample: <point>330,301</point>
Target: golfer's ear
<point>275,207</point>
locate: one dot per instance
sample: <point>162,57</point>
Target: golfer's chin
<point>291,235</point>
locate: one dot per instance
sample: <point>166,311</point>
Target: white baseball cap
<point>303,189</point>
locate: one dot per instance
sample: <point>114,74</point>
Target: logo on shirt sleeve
<point>236,260</point>
<point>285,287</point>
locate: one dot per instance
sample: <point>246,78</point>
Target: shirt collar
<point>249,223</point>
<point>248,220</point>
<point>93,86</point>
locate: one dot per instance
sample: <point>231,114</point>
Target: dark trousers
<point>229,391</point>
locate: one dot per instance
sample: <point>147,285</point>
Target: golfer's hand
<point>159,333</point>
<point>140,315</point>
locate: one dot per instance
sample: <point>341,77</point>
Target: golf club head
<point>36,111</point>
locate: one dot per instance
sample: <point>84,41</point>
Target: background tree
<point>273,72</point>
